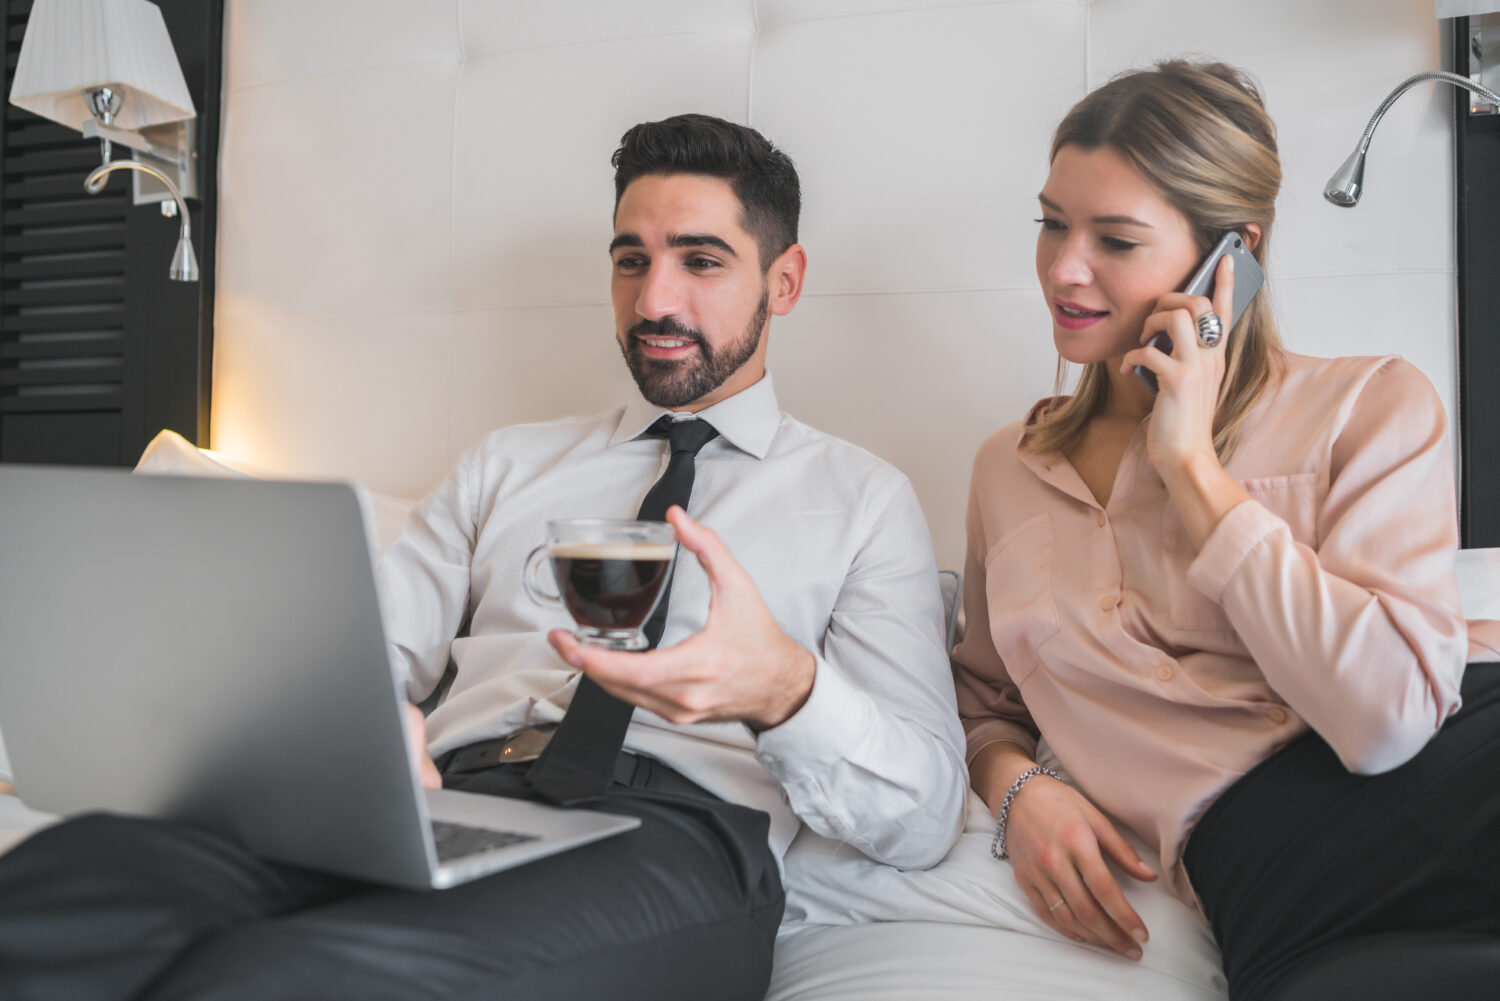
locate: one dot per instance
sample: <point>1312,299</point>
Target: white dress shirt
<point>837,546</point>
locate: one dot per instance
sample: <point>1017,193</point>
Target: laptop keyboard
<point>456,840</point>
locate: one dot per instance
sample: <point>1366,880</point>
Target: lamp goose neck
<point>1347,183</point>
<point>184,263</point>
<point>1410,82</point>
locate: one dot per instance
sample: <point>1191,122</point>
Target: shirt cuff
<point>1246,525</point>
<point>835,717</point>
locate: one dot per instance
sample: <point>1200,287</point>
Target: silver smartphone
<point>1248,278</point>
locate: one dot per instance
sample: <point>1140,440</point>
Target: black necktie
<point>579,762</point>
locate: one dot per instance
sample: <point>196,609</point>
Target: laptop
<point>210,651</point>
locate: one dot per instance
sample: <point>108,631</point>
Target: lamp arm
<point>95,182</point>
<point>124,137</point>
<point>1410,82</point>
<point>184,263</point>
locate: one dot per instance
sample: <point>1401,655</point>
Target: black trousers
<point>1324,885</point>
<point>685,906</point>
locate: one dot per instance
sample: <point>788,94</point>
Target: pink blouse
<point>1160,674</point>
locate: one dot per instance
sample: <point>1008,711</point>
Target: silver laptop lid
<point>209,651</point>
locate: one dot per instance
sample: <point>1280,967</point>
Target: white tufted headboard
<point>415,206</point>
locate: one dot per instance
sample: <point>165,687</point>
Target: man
<point>800,671</point>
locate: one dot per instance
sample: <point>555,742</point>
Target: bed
<point>377,313</point>
<point>962,930</point>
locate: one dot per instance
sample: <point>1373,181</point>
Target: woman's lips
<point>1071,316</point>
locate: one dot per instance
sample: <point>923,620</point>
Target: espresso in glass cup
<point>609,576</point>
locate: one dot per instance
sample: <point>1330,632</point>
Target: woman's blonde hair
<point>1200,135</point>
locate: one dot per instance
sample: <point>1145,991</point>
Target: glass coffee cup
<point>609,576</point>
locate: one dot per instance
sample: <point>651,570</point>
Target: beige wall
<point>415,204</point>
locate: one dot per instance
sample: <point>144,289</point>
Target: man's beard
<point>678,383</point>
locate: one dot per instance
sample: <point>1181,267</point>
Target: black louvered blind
<point>65,355</point>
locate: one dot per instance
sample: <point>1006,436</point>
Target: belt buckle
<point>526,744</point>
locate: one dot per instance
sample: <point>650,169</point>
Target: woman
<point>1230,608</point>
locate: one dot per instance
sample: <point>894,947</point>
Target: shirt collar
<point>1050,467</point>
<point>747,420</point>
<point>1039,463</point>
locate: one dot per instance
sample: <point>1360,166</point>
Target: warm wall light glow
<point>233,434</point>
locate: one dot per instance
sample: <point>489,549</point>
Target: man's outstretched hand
<point>742,666</point>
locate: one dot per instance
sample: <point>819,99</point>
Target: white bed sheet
<point>929,961</point>
<point>964,929</point>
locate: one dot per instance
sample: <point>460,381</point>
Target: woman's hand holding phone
<point>1180,441</point>
<point>1182,422</point>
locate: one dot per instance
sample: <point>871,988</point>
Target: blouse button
<point>1276,714</point>
<point>1102,519</point>
<point>1109,602</point>
<point>1164,673</point>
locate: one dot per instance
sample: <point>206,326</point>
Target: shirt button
<point>1109,602</point>
<point>1164,673</point>
<point>1102,519</point>
<point>1276,714</point>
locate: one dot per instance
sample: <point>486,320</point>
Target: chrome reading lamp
<point>1348,182</point>
<point>107,69</point>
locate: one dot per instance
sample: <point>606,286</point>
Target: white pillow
<point>170,454</point>
<point>388,515</point>
<point>1479,583</point>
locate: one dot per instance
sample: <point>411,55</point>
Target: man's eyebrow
<point>1107,220</point>
<point>701,240</point>
<point>677,240</point>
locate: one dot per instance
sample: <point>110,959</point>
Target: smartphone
<point>1248,278</point>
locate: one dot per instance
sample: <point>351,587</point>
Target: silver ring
<point>1059,903</point>
<point>1210,329</point>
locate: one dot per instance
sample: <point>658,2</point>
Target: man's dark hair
<point>762,176</point>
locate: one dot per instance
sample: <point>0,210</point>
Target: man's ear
<point>784,279</point>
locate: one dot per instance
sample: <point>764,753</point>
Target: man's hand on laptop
<point>416,748</point>
<point>742,666</point>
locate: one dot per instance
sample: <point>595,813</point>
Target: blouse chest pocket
<point>1018,593</point>
<point>1293,498</point>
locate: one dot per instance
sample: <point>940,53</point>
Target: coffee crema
<point>611,585</point>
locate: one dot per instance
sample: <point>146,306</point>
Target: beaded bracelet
<point>997,846</point>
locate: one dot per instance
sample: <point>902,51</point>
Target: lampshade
<point>74,47</point>
<point>1464,8</point>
